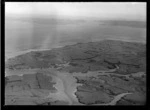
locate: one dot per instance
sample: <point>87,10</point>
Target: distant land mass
<point>57,20</point>
<point>135,24</point>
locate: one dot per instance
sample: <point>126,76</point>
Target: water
<point>23,35</point>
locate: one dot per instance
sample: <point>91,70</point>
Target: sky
<point>100,10</point>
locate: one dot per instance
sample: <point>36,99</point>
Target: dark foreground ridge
<point>129,57</point>
<point>29,89</point>
<point>106,89</point>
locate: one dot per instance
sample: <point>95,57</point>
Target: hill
<point>128,57</point>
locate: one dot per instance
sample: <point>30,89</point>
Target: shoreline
<point>9,55</point>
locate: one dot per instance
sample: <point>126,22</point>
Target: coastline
<point>14,54</point>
